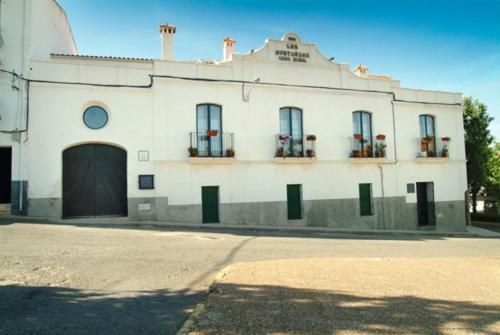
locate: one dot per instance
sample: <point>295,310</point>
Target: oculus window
<point>95,117</point>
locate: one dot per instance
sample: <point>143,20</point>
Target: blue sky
<point>445,45</point>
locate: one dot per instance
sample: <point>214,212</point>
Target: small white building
<point>278,136</point>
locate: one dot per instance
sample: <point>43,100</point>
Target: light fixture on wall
<point>246,97</point>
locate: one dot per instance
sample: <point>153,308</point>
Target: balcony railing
<point>363,148</point>
<point>211,144</point>
<point>295,145</point>
<point>430,147</point>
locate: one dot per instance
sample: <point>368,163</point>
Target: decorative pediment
<point>289,50</point>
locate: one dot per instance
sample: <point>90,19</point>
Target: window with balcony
<point>291,132</point>
<point>209,140</point>
<point>362,142</point>
<point>427,141</point>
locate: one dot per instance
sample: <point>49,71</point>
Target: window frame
<point>294,137</point>
<point>209,149</point>
<point>98,107</point>
<point>370,140</point>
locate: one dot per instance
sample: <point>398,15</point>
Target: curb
<point>201,306</point>
<point>124,222</point>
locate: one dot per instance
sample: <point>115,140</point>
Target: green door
<point>210,204</point>
<point>294,202</point>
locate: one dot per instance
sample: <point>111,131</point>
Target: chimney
<point>228,48</point>
<point>167,35</point>
<point>361,70</point>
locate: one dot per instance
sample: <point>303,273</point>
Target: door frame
<point>429,217</point>
<point>9,184</point>
<point>78,144</point>
<point>203,207</point>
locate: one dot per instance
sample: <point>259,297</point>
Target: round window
<point>95,117</point>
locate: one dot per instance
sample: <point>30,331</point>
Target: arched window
<point>427,135</point>
<point>209,130</point>
<point>291,126</point>
<point>362,130</point>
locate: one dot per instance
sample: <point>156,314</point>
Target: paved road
<point>75,279</point>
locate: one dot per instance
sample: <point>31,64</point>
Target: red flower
<point>359,137</point>
<point>380,137</point>
<point>445,139</point>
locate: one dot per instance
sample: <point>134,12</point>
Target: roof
<point>102,57</point>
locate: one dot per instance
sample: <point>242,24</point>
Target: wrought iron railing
<point>211,144</point>
<point>363,148</point>
<point>431,146</point>
<point>295,145</point>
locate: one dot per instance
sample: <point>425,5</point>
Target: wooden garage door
<point>94,181</point>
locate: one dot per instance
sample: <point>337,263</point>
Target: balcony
<point>295,148</point>
<point>362,149</point>
<point>211,147</point>
<point>432,149</point>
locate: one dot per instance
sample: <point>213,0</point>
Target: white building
<point>279,136</point>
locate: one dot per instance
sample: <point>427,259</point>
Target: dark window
<point>410,188</point>
<point>362,125</point>
<point>294,201</point>
<point>95,117</point>
<point>146,182</point>
<point>291,125</point>
<point>209,118</point>
<point>365,199</point>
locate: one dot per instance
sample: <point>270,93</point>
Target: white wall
<point>159,119</point>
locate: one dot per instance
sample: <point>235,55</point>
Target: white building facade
<point>280,136</point>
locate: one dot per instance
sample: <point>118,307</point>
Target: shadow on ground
<point>237,309</point>
<point>56,310</point>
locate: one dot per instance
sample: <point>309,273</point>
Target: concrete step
<point>4,209</point>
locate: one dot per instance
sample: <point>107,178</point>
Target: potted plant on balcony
<point>311,138</point>
<point>230,152</point>
<point>359,137</point>
<point>356,153</point>
<point>310,153</point>
<point>380,137</point>
<point>193,152</point>
<point>280,152</point>
<point>444,150</point>
<point>212,133</point>
<point>427,139</point>
<point>380,149</point>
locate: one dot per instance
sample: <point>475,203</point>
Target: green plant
<point>311,138</point>
<point>310,153</point>
<point>230,153</point>
<point>280,152</point>
<point>193,152</point>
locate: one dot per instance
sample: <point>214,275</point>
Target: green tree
<point>492,186</point>
<point>477,145</point>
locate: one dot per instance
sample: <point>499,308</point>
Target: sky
<point>429,44</point>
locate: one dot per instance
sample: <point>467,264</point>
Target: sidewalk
<point>353,296</point>
<point>124,222</point>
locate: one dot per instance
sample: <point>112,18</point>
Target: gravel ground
<point>356,296</point>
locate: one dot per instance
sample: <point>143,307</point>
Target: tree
<point>492,186</point>
<point>477,145</point>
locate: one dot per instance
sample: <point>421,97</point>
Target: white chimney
<point>228,48</point>
<point>167,35</point>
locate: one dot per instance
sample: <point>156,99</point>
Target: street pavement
<point>122,279</point>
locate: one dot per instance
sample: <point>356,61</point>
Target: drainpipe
<point>380,166</point>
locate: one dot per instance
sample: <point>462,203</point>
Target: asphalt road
<point>81,279</point>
